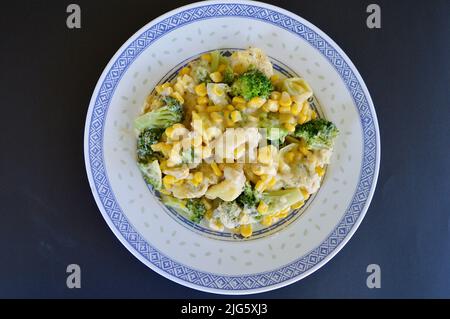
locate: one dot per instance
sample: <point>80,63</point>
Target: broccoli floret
<point>249,197</point>
<point>194,209</point>
<point>318,134</point>
<point>228,76</point>
<point>252,84</point>
<point>200,71</point>
<point>280,200</point>
<point>147,138</point>
<point>152,174</point>
<point>164,117</point>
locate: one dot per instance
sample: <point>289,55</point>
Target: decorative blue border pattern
<point>159,260</point>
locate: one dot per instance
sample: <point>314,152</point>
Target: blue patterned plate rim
<point>156,260</point>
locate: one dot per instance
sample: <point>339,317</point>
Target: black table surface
<point>49,218</point>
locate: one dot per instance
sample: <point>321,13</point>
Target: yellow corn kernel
<point>159,89</point>
<point>217,90</point>
<point>320,171</point>
<point>195,116</point>
<point>260,186</point>
<point>284,213</point>
<point>200,90</point>
<point>289,157</point>
<point>263,207</point>
<point>230,108</point>
<point>287,118</point>
<point>163,165</point>
<point>238,100</point>
<point>246,230</point>
<point>206,57</point>
<point>239,152</point>
<point>258,170</point>
<point>298,205</point>
<point>241,106</point>
<point>265,155</point>
<point>256,103</point>
<point>216,117</point>
<point>178,87</point>
<point>200,108</point>
<point>215,108</point>
<point>267,221</point>
<point>313,115</point>
<point>273,105</point>
<point>275,95</point>
<point>272,182</point>
<point>305,193</point>
<point>289,127</point>
<point>207,203</point>
<point>222,68</point>
<point>217,77</point>
<point>203,100</point>
<point>236,116</point>
<point>286,109</point>
<point>303,149</point>
<point>178,97</point>
<point>302,118</point>
<point>169,181</point>
<point>198,177</point>
<point>275,78</point>
<point>306,109</point>
<point>209,214</point>
<point>228,121</point>
<point>179,182</point>
<point>296,109</point>
<point>285,100</point>
<point>166,85</point>
<point>185,71</point>
<point>216,169</point>
<point>239,68</point>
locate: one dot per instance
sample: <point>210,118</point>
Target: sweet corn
<point>258,170</point>
<point>272,182</point>
<point>302,118</point>
<point>241,106</point>
<point>246,230</point>
<point>306,109</point>
<point>267,221</point>
<point>185,71</point>
<point>296,109</point>
<point>298,205</point>
<point>313,115</point>
<point>178,97</point>
<point>274,79</point>
<point>320,171</point>
<point>236,116</point>
<point>238,100</point>
<point>284,213</point>
<point>256,103</point>
<point>209,214</point>
<point>239,68</point>
<point>207,203</point>
<point>198,178</point>
<point>206,57</point>
<point>216,117</point>
<point>216,169</point>
<point>263,208</point>
<point>222,68</point>
<point>285,100</point>
<point>200,108</point>
<point>265,155</point>
<point>202,100</point>
<point>303,149</point>
<point>305,193</point>
<point>200,90</point>
<point>286,109</point>
<point>178,87</point>
<point>215,108</point>
<point>169,181</point>
<point>289,127</point>
<point>273,105</point>
<point>275,95</point>
<point>260,186</point>
<point>287,118</point>
<point>217,77</point>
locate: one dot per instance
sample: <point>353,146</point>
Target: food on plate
<point>232,144</point>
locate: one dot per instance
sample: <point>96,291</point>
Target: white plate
<point>149,231</point>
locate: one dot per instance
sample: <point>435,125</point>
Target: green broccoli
<point>252,84</point>
<point>194,209</point>
<point>147,138</point>
<point>282,199</point>
<point>228,76</point>
<point>317,134</point>
<point>164,117</point>
<point>152,174</point>
<point>249,197</point>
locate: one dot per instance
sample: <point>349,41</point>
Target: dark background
<point>49,218</point>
